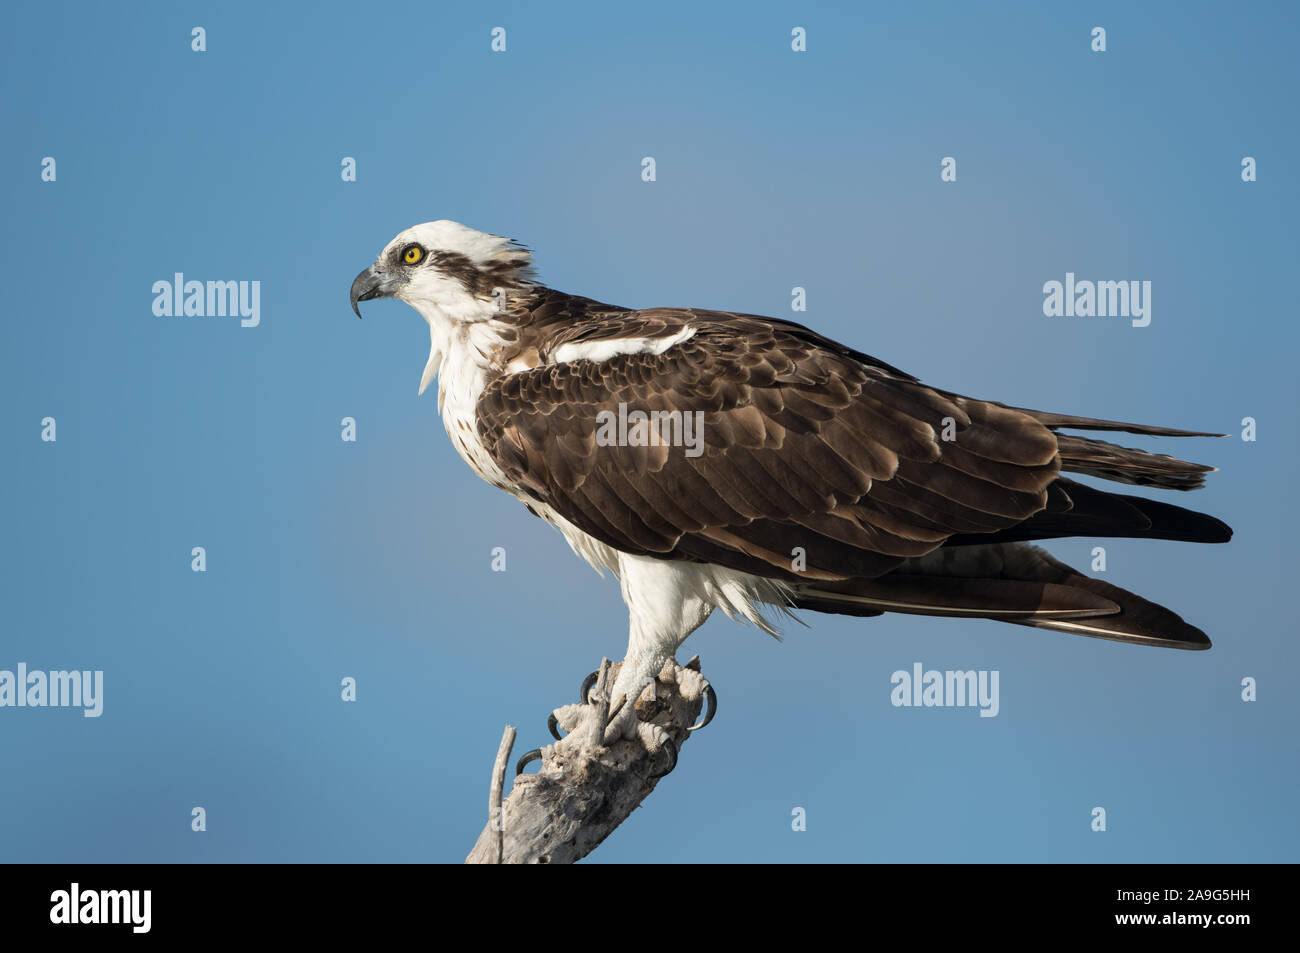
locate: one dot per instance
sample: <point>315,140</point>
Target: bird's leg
<point>665,604</point>
<point>642,664</point>
<point>664,607</point>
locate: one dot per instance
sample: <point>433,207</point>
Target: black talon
<point>586,686</point>
<point>711,701</point>
<point>553,726</point>
<point>672,760</point>
<point>528,758</point>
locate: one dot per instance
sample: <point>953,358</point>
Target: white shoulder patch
<point>614,347</point>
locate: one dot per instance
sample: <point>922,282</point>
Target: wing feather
<point>805,443</point>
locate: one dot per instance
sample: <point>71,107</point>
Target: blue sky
<point>775,169</point>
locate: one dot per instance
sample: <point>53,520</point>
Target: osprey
<point>821,479</point>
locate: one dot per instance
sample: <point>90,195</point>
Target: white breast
<point>463,375</point>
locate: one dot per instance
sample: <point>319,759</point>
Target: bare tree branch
<point>498,784</point>
<point>613,756</point>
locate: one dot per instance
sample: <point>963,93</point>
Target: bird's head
<point>445,270</point>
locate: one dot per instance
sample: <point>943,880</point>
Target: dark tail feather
<point>1009,583</point>
<point>1110,461</point>
<point>1070,422</point>
<point>1139,621</point>
<point>1075,509</point>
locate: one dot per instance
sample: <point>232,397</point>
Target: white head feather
<point>454,281</point>
<point>461,269</point>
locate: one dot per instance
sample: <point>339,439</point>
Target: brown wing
<point>806,444</point>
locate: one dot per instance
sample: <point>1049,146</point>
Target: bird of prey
<point>820,478</point>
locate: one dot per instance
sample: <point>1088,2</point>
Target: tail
<point>1008,582</point>
<point>999,576</point>
<point>1109,461</point>
<point>1075,509</point>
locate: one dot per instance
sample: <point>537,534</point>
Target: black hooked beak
<point>370,284</point>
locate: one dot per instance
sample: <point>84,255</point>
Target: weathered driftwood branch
<point>498,783</point>
<point>614,754</point>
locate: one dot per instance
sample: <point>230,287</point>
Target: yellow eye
<point>412,254</point>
